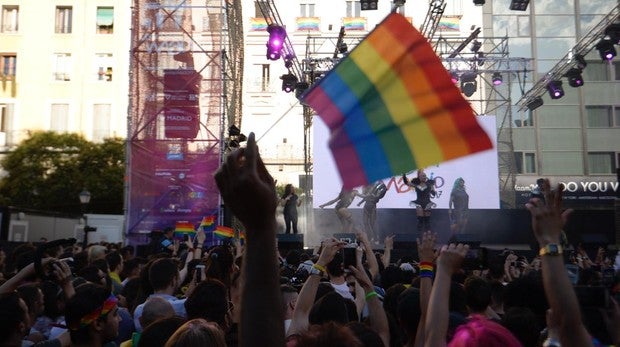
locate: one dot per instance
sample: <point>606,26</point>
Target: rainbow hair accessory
<point>101,311</point>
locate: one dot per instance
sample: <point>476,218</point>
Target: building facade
<point>63,67</point>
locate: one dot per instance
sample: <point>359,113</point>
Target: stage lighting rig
<point>479,2</point>
<point>519,5</point>
<point>288,82</point>
<point>555,89</point>
<point>367,5</point>
<point>497,79</point>
<point>535,103</point>
<point>575,79</point>
<point>606,49</point>
<point>469,85</point>
<point>277,35</point>
<point>580,61</point>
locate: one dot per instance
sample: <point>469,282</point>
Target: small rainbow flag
<point>224,232</point>
<point>208,223</point>
<point>258,24</point>
<point>391,107</point>
<point>308,23</point>
<point>449,23</point>
<point>354,23</point>
<point>183,228</point>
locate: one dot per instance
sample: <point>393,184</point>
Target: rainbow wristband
<point>426,263</point>
<point>426,274</point>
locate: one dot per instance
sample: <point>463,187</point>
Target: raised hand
<point>547,216</point>
<point>451,257</point>
<point>426,248</point>
<point>248,188</point>
<point>329,248</point>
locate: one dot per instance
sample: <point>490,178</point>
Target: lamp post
<point>84,200</point>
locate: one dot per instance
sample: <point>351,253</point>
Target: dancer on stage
<point>371,194</point>
<point>290,201</point>
<point>458,207</point>
<point>424,189</point>
<point>344,199</point>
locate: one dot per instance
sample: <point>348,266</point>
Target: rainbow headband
<point>101,311</point>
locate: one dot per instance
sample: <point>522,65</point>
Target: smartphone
<point>199,269</point>
<point>348,257</point>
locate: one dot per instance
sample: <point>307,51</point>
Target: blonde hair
<point>197,333</point>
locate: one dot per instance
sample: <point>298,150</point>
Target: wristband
<point>319,267</point>
<point>371,294</point>
<point>426,263</point>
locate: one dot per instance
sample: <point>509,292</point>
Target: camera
<point>199,269</point>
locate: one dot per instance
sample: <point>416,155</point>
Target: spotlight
<point>469,85</point>
<point>480,58</point>
<point>479,2</point>
<point>519,5</point>
<point>454,77</point>
<point>368,5</point>
<point>581,61</point>
<point>475,46</point>
<point>535,103</point>
<point>277,35</point>
<point>555,89</point>
<point>288,61</point>
<point>606,49</point>
<point>301,88</point>
<point>613,31</point>
<point>497,79</point>
<point>288,82</point>
<point>574,77</point>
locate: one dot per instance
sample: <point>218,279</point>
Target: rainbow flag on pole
<point>308,23</point>
<point>208,223</point>
<point>184,228</point>
<point>224,232</point>
<point>258,24</point>
<point>354,23</point>
<point>391,107</point>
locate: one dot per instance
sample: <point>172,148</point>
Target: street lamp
<point>84,200</point>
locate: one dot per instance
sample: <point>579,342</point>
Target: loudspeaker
<point>405,241</point>
<point>290,241</point>
<point>466,239</point>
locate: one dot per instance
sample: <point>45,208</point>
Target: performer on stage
<point>424,189</point>
<point>344,199</point>
<point>371,194</point>
<point>290,201</point>
<point>458,207</point>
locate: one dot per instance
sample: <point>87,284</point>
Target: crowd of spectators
<point>344,293</point>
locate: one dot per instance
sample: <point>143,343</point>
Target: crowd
<point>342,294</point>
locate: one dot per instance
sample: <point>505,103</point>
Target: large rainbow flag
<point>184,228</point>
<point>391,107</point>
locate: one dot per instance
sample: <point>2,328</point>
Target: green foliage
<point>48,171</point>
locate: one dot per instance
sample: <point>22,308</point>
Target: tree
<point>48,170</point>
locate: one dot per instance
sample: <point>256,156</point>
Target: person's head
<point>335,267</point>
<point>523,324</point>
<point>365,334</point>
<point>155,308</point>
<point>459,183</point>
<point>288,190</point>
<point>163,274</point>
<point>477,294</point>
<point>333,308</point>
<point>329,334</point>
<point>92,315</point>
<point>14,320</point>
<point>115,262</point>
<point>94,275</point>
<point>158,332</point>
<point>33,297</point>
<point>169,232</point>
<point>422,175</point>
<point>208,301</point>
<point>408,311</point>
<point>219,264</point>
<point>53,298</point>
<point>483,332</point>
<point>96,252</point>
<point>127,252</point>
<point>197,333</point>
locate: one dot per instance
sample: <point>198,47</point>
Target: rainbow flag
<point>258,24</point>
<point>183,228</point>
<point>449,23</point>
<point>391,107</point>
<point>354,23</point>
<point>224,232</point>
<point>308,23</point>
<point>208,223</point>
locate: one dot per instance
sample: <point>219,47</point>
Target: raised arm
<point>373,266</point>
<point>248,189</point>
<point>388,245</point>
<point>426,252</point>
<point>436,324</point>
<point>547,222</point>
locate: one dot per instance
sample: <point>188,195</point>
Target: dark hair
<point>523,324</point>
<point>30,294</point>
<point>87,298</point>
<point>332,308</point>
<point>219,264</point>
<point>114,259</point>
<point>477,294</point>
<point>367,336</point>
<point>91,274</point>
<point>334,267</point>
<point>329,334</point>
<point>10,315</point>
<point>197,332</point>
<point>52,296</point>
<point>288,190</point>
<point>162,272</point>
<point>408,311</point>
<point>208,301</point>
<point>158,332</point>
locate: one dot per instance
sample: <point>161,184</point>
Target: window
<point>61,67</point>
<point>257,11</point>
<point>306,10</point>
<point>599,116</point>
<point>596,71</point>
<point>103,66</point>
<point>616,70</point>
<point>102,115</point>
<point>105,20</point>
<point>8,64</point>
<point>10,15</point>
<point>353,9</point>
<point>265,78</point>
<point>525,162</point>
<point>523,119</point>
<point>6,117</point>
<point>64,19</point>
<point>601,162</point>
<point>59,118</point>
